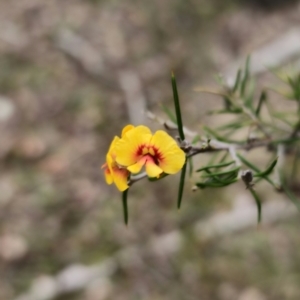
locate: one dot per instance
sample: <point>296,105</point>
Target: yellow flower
<point>158,153</point>
<point>113,172</point>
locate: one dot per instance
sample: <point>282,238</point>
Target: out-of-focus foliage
<point>62,99</point>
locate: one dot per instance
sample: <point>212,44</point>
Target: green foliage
<point>261,126</point>
<point>125,206</point>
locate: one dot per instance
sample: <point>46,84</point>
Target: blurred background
<point>72,74</point>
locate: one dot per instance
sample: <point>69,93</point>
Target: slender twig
<point>136,178</point>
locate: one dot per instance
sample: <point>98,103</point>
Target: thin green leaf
<point>250,95</point>
<point>258,204</point>
<point>125,207</point>
<point>216,166</point>
<point>219,137</point>
<point>284,117</point>
<point>224,157</point>
<point>225,111</point>
<point>286,141</point>
<point>181,186</point>
<point>208,91</point>
<point>237,81</point>
<point>291,82</point>
<point>210,174</point>
<point>214,184</point>
<point>286,93</point>
<point>253,167</point>
<point>247,163</point>
<point>177,107</point>
<point>235,125</point>
<point>278,73</point>
<point>169,113</point>
<point>196,139</point>
<point>246,76</point>
<point>268,171</point>
<point>222,178</point>
<point>230,104</point>
<point>262,99</point>
<point>219,79</point>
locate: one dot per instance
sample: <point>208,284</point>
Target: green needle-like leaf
<point>220,137</point>
<point>235,125</point>
<point>291,82</point>
<point>215,184</point>
<point>191,166</point>
<point>237,80</point>
<point>225,111</point>
<point>262,99</point>
<point>216,166</point>
<point>250,95</point>
<point>254,168</point>
<point>258,203</point>
<point>169,113</point>
<point>286,141</point>
<point>181,185</point>
<point>177,108</point>
<point>268,170</point>
<point>125,207</point>
<point>247,163</point>
<point>228,172</point>
<point>246,76</point>
<point>196,139</point>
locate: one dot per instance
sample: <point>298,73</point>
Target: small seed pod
<point>247,177</point>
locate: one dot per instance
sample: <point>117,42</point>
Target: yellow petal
<point>127,148</point>
<point>111,150</point>
<point>152,169</point>
<point>120,179</point>
<point>108,177</point>
<point>112,172</point>
<point>110,162</point>
<point>126,128</point>
<point>170,157</point>
<point>136,168</point>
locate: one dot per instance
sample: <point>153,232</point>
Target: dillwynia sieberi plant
<point>137,148</point>
<point>139,154</point>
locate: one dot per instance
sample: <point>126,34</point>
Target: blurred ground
<point>72,74</point>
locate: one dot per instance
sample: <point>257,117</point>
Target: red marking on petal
<point>140,149</point>
<point>157,154</point>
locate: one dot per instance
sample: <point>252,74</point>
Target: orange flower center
<point>151,152</point>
